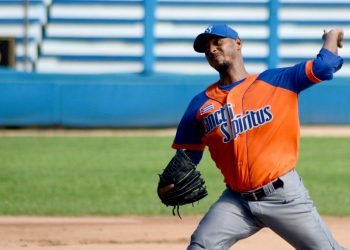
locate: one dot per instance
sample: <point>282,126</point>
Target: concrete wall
<point>133,100</point>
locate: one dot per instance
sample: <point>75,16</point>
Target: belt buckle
<point>254,196</point>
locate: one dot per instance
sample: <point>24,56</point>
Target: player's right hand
<point>340,38</point>
<point>338,33</point>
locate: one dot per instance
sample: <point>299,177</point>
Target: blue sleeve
<point>190,130</point>
<point>303,75</point>
<point>195,156</point>
<point>326,64</point>
<point>291,78</point>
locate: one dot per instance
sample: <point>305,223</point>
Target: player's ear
<point>238,43</point>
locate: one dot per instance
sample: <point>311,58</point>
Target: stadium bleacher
<point>300,26</point>
<point>110,36</point>
<point>97,39</point>
<point>12,19</point>
<point>93,36</point>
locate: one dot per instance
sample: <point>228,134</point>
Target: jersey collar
<point>216,93</point>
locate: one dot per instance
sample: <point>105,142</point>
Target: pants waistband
<point>265,190</point>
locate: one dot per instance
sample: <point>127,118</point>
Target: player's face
<point>221,52</point>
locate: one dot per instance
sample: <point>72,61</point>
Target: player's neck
<point>233,75</point>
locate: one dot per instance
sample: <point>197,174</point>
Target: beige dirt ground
<point>128,233</point>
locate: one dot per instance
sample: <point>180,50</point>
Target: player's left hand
<point>163,191</point>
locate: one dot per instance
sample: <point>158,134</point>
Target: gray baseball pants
<point>288,211</point>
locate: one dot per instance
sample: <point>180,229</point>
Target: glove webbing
<point>189,186</point>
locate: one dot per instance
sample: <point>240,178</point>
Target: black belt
<point>260,193</point>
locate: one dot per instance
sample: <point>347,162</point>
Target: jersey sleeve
<point>303,75</point>
<point>326,64</point>
<point>194,155</point>
<point>190,130</point>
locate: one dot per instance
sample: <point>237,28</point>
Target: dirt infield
<point>128,233</point>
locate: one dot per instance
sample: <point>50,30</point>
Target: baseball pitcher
<point>250,124</point>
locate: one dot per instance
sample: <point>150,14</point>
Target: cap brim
<point>200,41</point>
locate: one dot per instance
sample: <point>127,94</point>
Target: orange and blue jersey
<point>251,127</point>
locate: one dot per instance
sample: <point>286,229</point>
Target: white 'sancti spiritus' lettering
<point>239,123</point>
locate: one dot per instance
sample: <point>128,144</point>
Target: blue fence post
<point>273,59</point>
<point>149,39</point>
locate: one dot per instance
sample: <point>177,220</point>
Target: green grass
<point>324,164</point>
<point>118,175</point>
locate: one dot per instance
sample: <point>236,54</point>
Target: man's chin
<point>220,67</point>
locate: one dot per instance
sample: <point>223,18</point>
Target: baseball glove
<point>188,184</point>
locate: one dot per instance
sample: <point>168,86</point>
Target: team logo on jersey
<point>239,123</point>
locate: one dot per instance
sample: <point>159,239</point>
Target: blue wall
<point>115,100</point>
<point>326,103</point>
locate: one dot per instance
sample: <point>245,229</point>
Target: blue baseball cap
<point>216,30</point>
